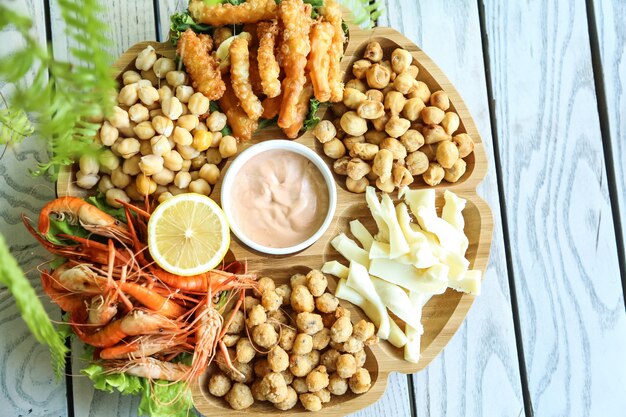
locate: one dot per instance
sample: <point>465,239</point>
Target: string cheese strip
<point>452,210</point>
<point>449,237</point>
<point>417,199</point>
<point>397,242</point>
<point>344,292</point>
<point>379,250</point>
<point>336,269</point>
<point>397,301</point>
<point>414,330</point>
<point>359,280</point>
<point>471,282</point>
<point>361,234</point>
<point>350,250</point>
<point>374,205</point>
<point>421,254</point>
<point>433,280</point>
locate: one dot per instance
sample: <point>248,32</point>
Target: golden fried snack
<point>251,11</point>
<point>332,14</point>
<point>302,108</point>
<point>243,127</point>
<point>271,106</point>
<point>202,67</point>
<point>268,65</point>
<point>240,76</point>
<point>319,60</point>
<point>206,41</point>
<point>296,18</point>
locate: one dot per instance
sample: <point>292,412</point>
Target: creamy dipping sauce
<point>279,198</point>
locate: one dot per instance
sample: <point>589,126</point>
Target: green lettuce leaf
<point>180,22</point>
<point>109,382</point>
<point>58,227</point>
<point>311,119</point>
<point>263,123</point>
<point>31,309</point>
<point>100,202</point>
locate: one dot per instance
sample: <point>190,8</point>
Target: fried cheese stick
<point>332,14</point>
<point>251,11</point>
<point>319,59</point>
<point>240,76</point>
<point>302,109</point>
<point>243,127</point>
<point>201,66</point>
<point>268,65</point>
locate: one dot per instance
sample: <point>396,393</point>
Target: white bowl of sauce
<point>279,197</point>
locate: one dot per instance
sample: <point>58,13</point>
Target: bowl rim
<point>257,149</point>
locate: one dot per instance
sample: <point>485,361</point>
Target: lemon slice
<point>188,234</point>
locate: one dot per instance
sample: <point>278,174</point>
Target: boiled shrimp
<point>149,368</point>
<point>143,346</point>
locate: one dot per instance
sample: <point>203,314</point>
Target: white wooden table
<point>545,83</point>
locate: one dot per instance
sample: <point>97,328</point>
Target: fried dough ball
<point>352,345</point>
<point>284,291</point>
<point>341,330</point>
<point>301,299</point>
<point>271,300</point>
<point>239,397</point>
<point>256,316</point>
<point>264,284</point>
<point>245,375</point>
<point>363,330</point>
<point>277,318</point>
<point>219,384</point>
<point>311,402</point>
<point>316,282</point>
<point>262,368</point>
<point>299,385</point>
<point>238,323</point>
<point>264,335</point>
<point>309,323</point>
<point>289,402</point>
<point>317,379</point>
<point>323,394</point>
<point>297,279</point>
<point>250,302</point>
<point>245,350</point>
<point>303,344</point>
<point>278,359</point>
<point>329,359</point>
<point>257,393</point>
<point>321,339</point>
<point>274,387</point>
<point>337,385</point>
<point>360,358</point>
<point>231,340</point>
<point>361,381</point>
<point>287,338</point>
<point>301,365</point>
<point>346,365</point>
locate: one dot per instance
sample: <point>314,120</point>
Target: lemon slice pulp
<point>188,234</point>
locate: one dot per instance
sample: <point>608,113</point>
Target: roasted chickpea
<point>325,130</point>
<point>378,76</point>
<point>360,67</point>
<point>420,91</point>
<point>383,163</point>
<point>394,146</point>
<point>413,70</point>
<point>357,85</point>
<point>213,156</point>
<point>404,82</point>
<point>245,350</point>
<point>334,148</point>
<point>219,384</point>
<point>287,338</point>
<point>198,104</point>
<point>340,166</point>
<point>302,344</point>
<point>128,95</point>
<point>311,402</point>
<point>130,77</point>
<point>373,52</point>
<point>216,121</point>
<point>413,108</point>
<point>352,98</point>
<point>228,146</point>
<point>301,299</point>
<point>370,109</point>
<point>357,169</point>
<point>173,160</point>
<point>417,163</point>
<point>385,186</point>
<point>400,60</point>
<point>309,323</point>
<point>465,144</point>
<point>432,115</point>
<point>450,122</point>
<point>457,170</point>
<point>357,186</point>
<point>352,124</point>
<point>171,107</point>
<point>374,95</point>
<point>162,125</point>
<point>430,151</point>
<point>394,102</point>
<point>350,141</point>
<point>401,176</point>
<point>434,134</point>
<point>278,359</point>
<point>447,153</point>
<point>397,126</point>
<point>256,316</point>
<point>440,100</point>
<point>375,137</point>
<point>119,118</point>
<point>129,147</point>
<point>146,58</point>
<point>434,174</point>
<point>379,124</point>
<point>412,140</point>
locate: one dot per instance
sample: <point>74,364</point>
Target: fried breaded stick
<point>243,127</point>
<point>332,14</point>
<point>268,66</point>
<point>251,11</point>
<point>203,69</point>
<point>240,76</point>
<point>296,18</point>
<point>271,106</point>
<point>302,108</point>
<point>319,60</point>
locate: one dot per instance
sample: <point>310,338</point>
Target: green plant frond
<point>14,126</point>
<point>362,13</point>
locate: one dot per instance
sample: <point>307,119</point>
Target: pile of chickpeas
<point>390,128</point>
<point>160,139</point>
<point>294,343</point>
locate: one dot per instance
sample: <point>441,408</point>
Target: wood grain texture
<point>166,9</point>
<point>27,383</point>
<point>562,242</point>
<point>610,17</point>
<point>483,353</point>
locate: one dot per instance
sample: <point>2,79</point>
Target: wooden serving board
<point>442,315</point>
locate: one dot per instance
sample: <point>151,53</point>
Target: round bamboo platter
<point>442,315</point>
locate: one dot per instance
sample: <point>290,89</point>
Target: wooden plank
<point>478,372</point>
<point>610,16</point>
<point>571,308</point>
<point>129,22</point>
<point>27,382</point>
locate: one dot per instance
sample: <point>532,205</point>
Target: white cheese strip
<point>449,237</point>
<point>360,281</point>
<point>379,250</point>
<point>452,210</point>
<point>414,330</point>
<point>457,263</point>
<point>421,254</point>
<point>361,234</point>
<point>344,292</point>
<point>336,269</point>
<point>397,242</point>
<point>431,280</point>
<point>471,283</point>
<point>417,199</point>
<point>396,300</point>
<point>350,250</point>
<point>376,210</point>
